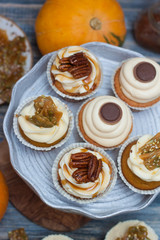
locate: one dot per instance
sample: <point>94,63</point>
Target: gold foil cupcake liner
<point>66,194</point>
<point>115,93</point>
<point>81,135</point>
<point>63,95</point>
<point>23,141</point>
<point>134,189</point>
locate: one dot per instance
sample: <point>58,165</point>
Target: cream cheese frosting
<point>139,91</point>
<point>41,134</point>
<point>136,164</point>
<point>106,134</point>
<point>83,190</point>
<point>69,83</point>
<point>120,229</point>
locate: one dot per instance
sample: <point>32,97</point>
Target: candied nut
<point>81,155</point>
<point>80,160</point>
<point>77,64</point>
<point>80,175</point>
<point>92,168</point>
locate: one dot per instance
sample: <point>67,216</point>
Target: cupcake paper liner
<point>134,189</point>
<point>57,237</point>
<point>81,135</point>
<point>23,141</point>
<point>115,93</point>
<point>65,96</point>
<point>67,195</point>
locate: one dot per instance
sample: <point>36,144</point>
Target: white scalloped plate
<point>35,166</point>
<point>13,30</point>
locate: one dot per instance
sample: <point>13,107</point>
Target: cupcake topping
<point>144,72</point>
<point>84,173</point>
<point>46,113</point>
<point>140,79</point>
<point>144,160</point>
<point>107,121</point>
<point>89,167</point>
<point>111,112</point>
<point>77,64</point>
<point>135,233</point>
<point>150,153</point>
<point>76,69</point>
<point>44,120</point>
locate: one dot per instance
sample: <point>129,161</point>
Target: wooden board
<point>30,205</point>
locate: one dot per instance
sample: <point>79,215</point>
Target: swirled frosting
<point>140,90</point>
<point>42,134</point>
<point>136,164</point>
<point>83,190</point>
<point>105,133</point>
<point>69,83</point>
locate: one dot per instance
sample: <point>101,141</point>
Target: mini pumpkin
<point>62,23</point>
<point>3,195</point>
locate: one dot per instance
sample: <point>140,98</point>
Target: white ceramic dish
<point>13,30</point>
<point>35,167</point>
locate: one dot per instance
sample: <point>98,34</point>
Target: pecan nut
<point>80,160</point>
<point>77,64</point>
<point>80,175</point>
<point>94,168</point>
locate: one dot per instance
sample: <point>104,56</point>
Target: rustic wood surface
<point>24,12</point>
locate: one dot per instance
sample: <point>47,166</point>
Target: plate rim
<point>62,207</point>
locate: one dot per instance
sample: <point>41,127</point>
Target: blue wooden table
<point>24,12</point>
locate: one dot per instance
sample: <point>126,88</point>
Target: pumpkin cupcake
<point>131,229</point>
<point>104,121</point>
<point>139,164</point>
<point>137,82</point>
<point>83,173</point>
<point>43,122</point>
<point>74,73</point>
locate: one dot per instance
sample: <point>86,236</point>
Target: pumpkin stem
<point>95,23</point>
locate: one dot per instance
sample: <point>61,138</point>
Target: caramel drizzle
<point>150,153</point>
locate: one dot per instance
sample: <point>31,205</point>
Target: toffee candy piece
<point>111,112</point>
<point>144,72</point>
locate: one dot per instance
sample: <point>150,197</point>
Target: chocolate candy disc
<point>144,72</point>
<point>111,112</point>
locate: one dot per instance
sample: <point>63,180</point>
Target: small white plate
<point>35,167</point>
<point>13,30</point>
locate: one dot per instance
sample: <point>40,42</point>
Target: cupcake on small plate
<point>83,173</point>
<point>43,122</point>
<point>137,82</point>
<point>139,164</point>
<point>104,121</point>
<point>74,73</point>
<point>131,230</point>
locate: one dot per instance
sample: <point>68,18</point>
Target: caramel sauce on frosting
<point>88,189</point>
<point>70,84</point>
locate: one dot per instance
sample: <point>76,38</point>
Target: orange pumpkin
<point>62,23</point>
<point>3,195</point>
